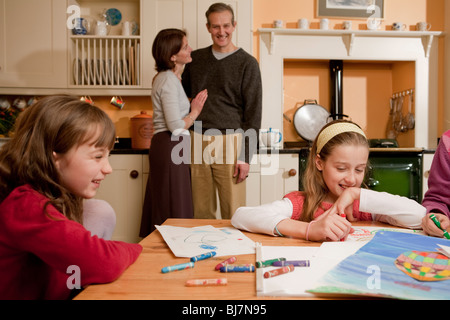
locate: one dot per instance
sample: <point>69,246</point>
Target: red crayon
<point>280,271</point>
<point>226,262</point>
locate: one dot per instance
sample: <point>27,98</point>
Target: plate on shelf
<point>113,16</point>
<point>80,76</point>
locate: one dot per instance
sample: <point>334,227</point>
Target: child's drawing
<point>189,242</point>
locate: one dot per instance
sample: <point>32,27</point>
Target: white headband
<point>333,130</point>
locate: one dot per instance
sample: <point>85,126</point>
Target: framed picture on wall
<point>357,9</point>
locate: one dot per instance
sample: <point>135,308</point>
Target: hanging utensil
<point>390,131</point>
<point>410,119</point>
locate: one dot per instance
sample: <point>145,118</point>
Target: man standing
<point>226,141</point>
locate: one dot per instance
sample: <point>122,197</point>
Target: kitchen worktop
<point>124,147</point>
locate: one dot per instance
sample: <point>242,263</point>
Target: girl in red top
<point>333,196</point>
<point>56,159</point>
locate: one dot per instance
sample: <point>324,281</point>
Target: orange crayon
<point>206,282</point>
<point>280,271</point>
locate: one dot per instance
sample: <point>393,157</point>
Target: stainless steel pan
<point>309,119</point>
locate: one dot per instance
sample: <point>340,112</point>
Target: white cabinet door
<point>33,46</point>
<point>123,191</point>
<point>274,176</point>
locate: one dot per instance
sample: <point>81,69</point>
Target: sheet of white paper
<point>445,250</point>
<point>291,284</point>
<point>190,242</point>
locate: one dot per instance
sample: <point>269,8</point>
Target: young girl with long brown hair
<point>333,196</point>
<point>57,158</point>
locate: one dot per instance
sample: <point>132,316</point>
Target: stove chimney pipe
<point>336,89</point>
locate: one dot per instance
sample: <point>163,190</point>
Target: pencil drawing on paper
<point>188,242</point>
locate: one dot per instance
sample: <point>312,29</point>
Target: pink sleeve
<point>437,198</point>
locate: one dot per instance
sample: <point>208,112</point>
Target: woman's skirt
<point>168,193</point>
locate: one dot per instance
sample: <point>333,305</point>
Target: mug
<point>303,24</point>
<point>347,25</point>
<point>118,102</point>
<point>278,24</point>
<point>129,28</point>
<point>20,103</point>
<point>398,26</point>
<point>373,24</point>
<point>324,24</point>
<point>87,99</point>
<point>102,28</point>
<point>423,26</point>
<point>270,138</point>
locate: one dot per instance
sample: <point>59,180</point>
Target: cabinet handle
<point>292,173</point>
<point>134,174</point>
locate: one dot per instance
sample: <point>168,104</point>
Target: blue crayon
<point>177,267</point>
<point>238,268</point>
<point>203,256</point>
<point>295,263</point>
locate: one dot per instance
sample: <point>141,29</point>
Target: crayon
<point>280,271</point>
<point>206,282</point>
<point>238,268</point>
<point>295,263</point>
<point>203,256</point>
<point>177,267</point>
<point>226,262</point>
<point>438,224</point>
<point>268,263</point>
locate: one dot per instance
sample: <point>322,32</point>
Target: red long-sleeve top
<point>37,249</point>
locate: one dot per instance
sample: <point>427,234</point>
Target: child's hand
<point>344,204</point>
<point>329,226</point>
<point>430,227</point>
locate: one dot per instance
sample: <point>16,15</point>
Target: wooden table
<point>144,281</point>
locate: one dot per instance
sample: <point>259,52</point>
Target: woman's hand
<point>430,227</point>
<point>198,102</point>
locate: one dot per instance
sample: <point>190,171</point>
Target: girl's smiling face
<point>345,167</point>
<point>83,167</point>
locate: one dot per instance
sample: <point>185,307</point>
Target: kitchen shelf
<point>105,61</point>
<point>350,35</point>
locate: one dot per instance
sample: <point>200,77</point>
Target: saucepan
<point>309,119</point>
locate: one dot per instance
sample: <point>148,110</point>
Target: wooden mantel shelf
<point>349,36</point>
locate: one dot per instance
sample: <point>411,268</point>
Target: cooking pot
<point>309,119</point>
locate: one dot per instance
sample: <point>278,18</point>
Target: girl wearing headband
<point>333,196</point>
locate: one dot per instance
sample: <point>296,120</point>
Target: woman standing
<point>168,193</point>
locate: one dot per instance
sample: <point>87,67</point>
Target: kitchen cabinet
<point>33,45</point>
<point>122,189</point>
<point>39,53</point>
<point>153,16</point>
<point>271,177</point>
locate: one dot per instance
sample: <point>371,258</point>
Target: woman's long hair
<point>315,189</point>
<point>53,124</point>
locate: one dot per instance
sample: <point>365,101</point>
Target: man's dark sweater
<point>234,92</point>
